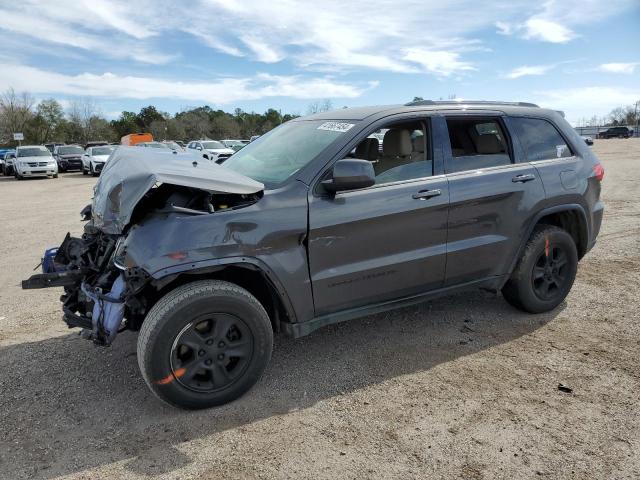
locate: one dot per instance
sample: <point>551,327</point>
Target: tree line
<point>626,115</point>
<point>47,121</point>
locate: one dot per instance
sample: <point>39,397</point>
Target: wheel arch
<point>570,217</point>
<point>248,273</point>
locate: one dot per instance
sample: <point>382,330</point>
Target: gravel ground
<point>461,387</point>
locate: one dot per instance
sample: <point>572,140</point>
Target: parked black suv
<point>615,132</point>
<point>313,223</point>
<point>69,157</point>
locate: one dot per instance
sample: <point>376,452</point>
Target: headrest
<point>368,149</point>
<point>418,144</point>
<point>396,143</point>
<point>488,144</point>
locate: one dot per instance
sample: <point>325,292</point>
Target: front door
<point>387,241</point>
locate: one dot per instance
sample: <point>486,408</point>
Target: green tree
<point>49,116</point>
<point>147,116</point>
<point>126,123</point>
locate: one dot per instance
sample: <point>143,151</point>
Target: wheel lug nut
<point>209,342</point>
<point>201,352</point>
<point>207,362</point>
<point>221,345</point>
<point>221,356</point>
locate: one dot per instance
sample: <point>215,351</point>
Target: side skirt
<point>301,329</point>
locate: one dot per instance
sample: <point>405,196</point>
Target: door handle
<point>426,194</point>
<point>523,178</point>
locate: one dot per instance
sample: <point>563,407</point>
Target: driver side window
<point>398,152</point>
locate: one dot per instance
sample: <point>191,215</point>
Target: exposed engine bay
<point>104,294</point>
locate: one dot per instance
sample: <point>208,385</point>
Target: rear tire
<point>204,344</point>
<point>545,272</point>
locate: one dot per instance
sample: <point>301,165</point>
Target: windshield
<point>70,150</point>
<point>277,155</point>
<point>34,152</point>
<point>101,150</point>
<point>212,144</point>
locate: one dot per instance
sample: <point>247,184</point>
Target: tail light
<point>598,170</point>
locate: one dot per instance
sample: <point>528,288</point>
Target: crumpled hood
<point>99,158</point>
<point>131,172</point>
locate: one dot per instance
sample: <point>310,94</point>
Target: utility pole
<point>637,133</point>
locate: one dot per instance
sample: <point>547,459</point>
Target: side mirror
<point>350,174</point>
<point>198,147</point>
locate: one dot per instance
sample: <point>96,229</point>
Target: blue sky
<point>579,56</point>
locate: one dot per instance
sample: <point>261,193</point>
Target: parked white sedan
<point>211,150</point>
<point>94,159</point>
<point>34,161</point>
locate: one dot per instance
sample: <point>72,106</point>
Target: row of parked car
<point>50,159</point>
<point>38,161</point>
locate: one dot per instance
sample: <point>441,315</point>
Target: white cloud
<point>547,30</point>
<point>627,68</point>
<point>526,70</point>
<point>587,101</point>
<point>217,91</point>
<point>555,21</point>
<point>437,62</point>
<point>433,37</point>
<point>65,32</point>
<point>262,52</point>
<point>325,36</point>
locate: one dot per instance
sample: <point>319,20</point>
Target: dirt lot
<point>463,387</point>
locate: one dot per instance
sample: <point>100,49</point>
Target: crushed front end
<point>95,289</point>
<point>103,290</point>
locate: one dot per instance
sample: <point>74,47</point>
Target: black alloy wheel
<point>550,273</point>
<point>211,352</point>
<point>545,271</point>
<point>204,344</point>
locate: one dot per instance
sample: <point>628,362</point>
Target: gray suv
<point>323,219</point>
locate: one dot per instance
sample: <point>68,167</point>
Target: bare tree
<point>81,115</point>
<point>317,107</point>
<point>15,112</point>
<point>617,116</point>
<point>158,129</point>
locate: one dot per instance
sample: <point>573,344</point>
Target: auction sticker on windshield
<point>336,126</point>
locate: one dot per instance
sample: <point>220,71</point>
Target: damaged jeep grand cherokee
<point>323,219</point>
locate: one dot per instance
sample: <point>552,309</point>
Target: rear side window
<point>540,139</point>
<point>476,143</point>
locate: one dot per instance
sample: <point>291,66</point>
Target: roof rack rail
<point>468,102</point>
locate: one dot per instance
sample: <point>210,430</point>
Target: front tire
<point>545,272</point>
<point>204,344</point>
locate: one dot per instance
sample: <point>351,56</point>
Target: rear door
<point>492,198</point>
<point>387,241</point>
